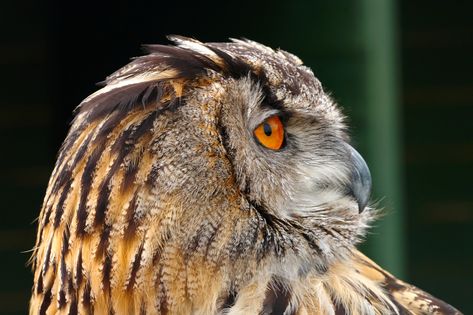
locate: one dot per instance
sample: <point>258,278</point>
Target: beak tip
<point>361,181</point>
<point>362,205</point>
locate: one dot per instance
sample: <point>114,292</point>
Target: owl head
<point>211,178</point>
<point>228,150</point>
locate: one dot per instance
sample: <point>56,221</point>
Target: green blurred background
<point>402,71</point>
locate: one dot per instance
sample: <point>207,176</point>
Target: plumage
<point>162,200</point>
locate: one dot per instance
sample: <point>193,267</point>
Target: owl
<point>211,178</point>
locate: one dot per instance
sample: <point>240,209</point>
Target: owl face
<point>314,177</point>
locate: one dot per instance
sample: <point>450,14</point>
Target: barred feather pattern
<point>146,214</point>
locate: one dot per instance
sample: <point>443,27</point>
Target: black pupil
<point>267,129</point>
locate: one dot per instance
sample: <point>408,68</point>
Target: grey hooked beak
<point>360,185</point>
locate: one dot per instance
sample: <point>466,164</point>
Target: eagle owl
<point>211,178</point>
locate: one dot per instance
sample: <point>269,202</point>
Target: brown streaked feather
<point>277,299</point>
<point>408,298</point>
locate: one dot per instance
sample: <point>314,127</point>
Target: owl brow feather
<point>146,79</point>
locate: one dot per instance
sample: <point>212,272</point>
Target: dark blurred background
<point>402,71</point>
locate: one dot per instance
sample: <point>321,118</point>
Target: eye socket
<point>270,133</point>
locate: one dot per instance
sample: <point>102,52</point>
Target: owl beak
<point>360,185</point>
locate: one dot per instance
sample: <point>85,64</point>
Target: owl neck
<point>243,239</point>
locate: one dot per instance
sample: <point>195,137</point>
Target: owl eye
<point>270,133</point>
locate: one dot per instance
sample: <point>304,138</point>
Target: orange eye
<point>270,133</point>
